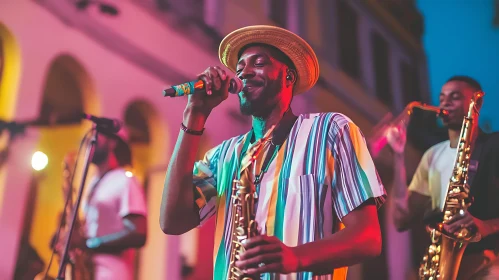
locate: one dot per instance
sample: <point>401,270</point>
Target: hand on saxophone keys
<point>267,254</point>
<point>464,220</point>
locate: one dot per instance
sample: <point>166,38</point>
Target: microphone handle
<point>197,87</point>
<point>184,89</point>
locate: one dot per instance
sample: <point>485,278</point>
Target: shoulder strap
<point>94,187</point>
<point>475,156</point>
<point>279,136</point>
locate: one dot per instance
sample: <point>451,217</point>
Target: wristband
<point>190,131</point>
<point>93,243</point>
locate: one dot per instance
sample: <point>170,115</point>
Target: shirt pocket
<point>299,214</point>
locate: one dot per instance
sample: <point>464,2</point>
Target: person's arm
<point>407,205</point>
<point>179,213</point>
<point>487,227</point>
<point>133,213</point>
<point>132,236</point>
<point>359,240</point>
<point>484,227</point>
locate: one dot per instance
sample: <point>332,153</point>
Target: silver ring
<point>261,264</point>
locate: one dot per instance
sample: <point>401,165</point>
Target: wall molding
<point>66,12</point>
<point>123,47</point>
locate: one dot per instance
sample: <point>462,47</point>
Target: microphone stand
<point>88,154</point>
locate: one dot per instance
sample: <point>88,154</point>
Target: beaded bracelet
<point>190,131</point>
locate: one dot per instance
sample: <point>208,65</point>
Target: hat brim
<point>292,45</point>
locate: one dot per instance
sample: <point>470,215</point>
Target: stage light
<point>129,174</point>
<point>39,161</point>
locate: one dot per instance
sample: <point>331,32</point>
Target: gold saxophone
<point>80,262</point>
<point>244,198</point>
<point>443,256</point>
<point>378,139</point>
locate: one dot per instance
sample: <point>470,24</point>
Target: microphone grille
<point>236,85</point>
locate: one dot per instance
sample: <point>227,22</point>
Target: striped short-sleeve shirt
<point>322,172</point>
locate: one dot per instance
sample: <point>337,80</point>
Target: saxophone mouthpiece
<point>443,114</point>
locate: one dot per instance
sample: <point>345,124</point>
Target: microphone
<point>105,124</point>
<point>13,127</point>
<point>235,86</point>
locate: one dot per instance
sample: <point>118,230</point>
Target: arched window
<point>2,58</point>
<point>64,96</point>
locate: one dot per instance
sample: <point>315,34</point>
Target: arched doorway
<point>9,79</point>
<point>148,141</point>
<point>10,62</point>
<point>67,92</point>
<point>136,121</point>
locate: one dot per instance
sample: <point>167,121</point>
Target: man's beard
<point>100,155</point>
<point>260,106</point>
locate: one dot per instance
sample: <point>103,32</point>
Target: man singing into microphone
<point>318,197</point>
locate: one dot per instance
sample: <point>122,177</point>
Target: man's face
<point>103,148</point>
<point>263,78</point>
<point>455,97</point>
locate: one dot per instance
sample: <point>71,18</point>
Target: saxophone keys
<point>241,235</point>
<point>431,251</point>
<point>435,259</point>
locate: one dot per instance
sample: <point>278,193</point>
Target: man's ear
<point>291,77</point>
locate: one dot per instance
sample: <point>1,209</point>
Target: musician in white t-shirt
<point>115,211</point>
<point>428,187</point>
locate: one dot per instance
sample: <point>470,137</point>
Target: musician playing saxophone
<point>320,177</point>
<point>427,190</point>
<point>115,211</point>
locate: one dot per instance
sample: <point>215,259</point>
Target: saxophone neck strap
<point>279,135</point>
<point>475,155</point>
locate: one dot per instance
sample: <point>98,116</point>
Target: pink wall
<point>42,37</point>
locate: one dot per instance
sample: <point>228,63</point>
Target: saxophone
<point>80,262</point>
<point>378,139</point>
<point>244,198</point>
<point>443,256</point>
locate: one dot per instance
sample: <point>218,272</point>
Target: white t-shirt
<point>433,173</point>
<point>113,198</point>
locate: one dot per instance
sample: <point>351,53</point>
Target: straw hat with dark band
<point>299,51</point>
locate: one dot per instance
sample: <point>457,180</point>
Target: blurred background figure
<point>110,58</point>
<point>427,191</point>
<point>114,209</point>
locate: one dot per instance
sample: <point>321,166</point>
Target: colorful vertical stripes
<point>322,172</point>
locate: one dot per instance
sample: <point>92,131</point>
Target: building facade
<point>60,58</point>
